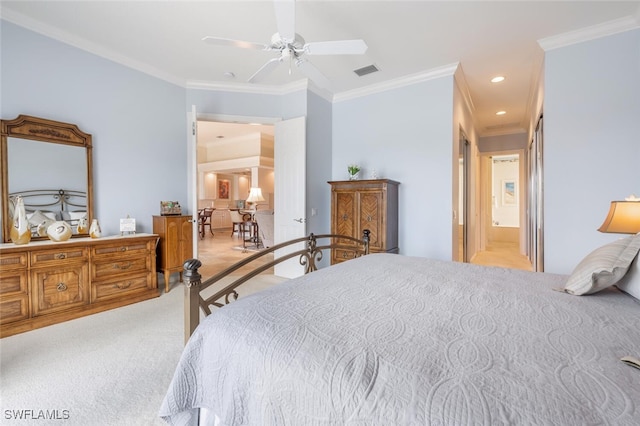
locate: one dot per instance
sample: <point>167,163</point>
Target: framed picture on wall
<point>509,193</point>
<point>223,189</point>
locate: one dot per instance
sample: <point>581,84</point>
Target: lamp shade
<point>623,218</point>
<point>255,195</point>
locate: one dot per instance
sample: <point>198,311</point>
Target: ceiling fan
<point>292,47</point>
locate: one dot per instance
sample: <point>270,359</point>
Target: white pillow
<point>38,217</point>
<point>603,267</point>
<point>630,283</point>
<point>77,215</point>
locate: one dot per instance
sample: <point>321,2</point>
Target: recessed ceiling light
<point>501,112</point>
<point>497,79</point>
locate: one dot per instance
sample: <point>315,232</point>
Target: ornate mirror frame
<point>48,131</point>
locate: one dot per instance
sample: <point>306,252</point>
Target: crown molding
<point>590,33</point>
<point>83,44</point>
<point>446,70</point>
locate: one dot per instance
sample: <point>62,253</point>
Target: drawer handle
<point>123,267</point>
<point>368,218</point>
<point>123,249</point>
<point>344,254</point>
<point>61,256</point>
<point>345,217</point>
<point>61,287</point>
<point>122,286</point>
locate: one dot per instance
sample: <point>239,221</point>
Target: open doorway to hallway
<point>502,211</point>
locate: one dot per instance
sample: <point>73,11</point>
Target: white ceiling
<point>404,38</point>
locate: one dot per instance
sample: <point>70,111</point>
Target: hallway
<point>504,254</point>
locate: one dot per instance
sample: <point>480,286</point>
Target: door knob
<point>301,220</point>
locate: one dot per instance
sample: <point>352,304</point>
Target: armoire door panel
<point>345,213</point>
<point>370,217</point>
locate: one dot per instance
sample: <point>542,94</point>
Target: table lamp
<point>623,217</point>
<point>255,195</point>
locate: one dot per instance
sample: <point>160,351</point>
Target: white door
<point>192,185</point>
<point>290,191</point>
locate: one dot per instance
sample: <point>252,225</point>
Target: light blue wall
<point>591,142</point>
<point>221,102</point>
<point>137,121</point>
<point>319,135</point>
<point>406,135</point>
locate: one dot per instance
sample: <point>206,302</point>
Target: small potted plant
<point>353,170</point>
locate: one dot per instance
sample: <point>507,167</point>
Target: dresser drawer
<point>57,289</point>
<point>119,288</point>
<point>124,249</point>
<point>13,281</point>
<point>107,269</point>
<point>340,255</point>
<point>58,256</point>
<point>13,261</point>
<point>13,308</point>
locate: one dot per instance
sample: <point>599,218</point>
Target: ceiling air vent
<point>366,70</point>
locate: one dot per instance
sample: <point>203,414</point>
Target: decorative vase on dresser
<point>20,230</point>
<point>357,205</point>
<point>175,245</point>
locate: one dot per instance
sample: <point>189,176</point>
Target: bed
<point>387,339</point>
<point>50,205</point>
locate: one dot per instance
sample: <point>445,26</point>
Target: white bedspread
<point>394,340</point>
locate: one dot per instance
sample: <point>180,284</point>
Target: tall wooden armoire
<point>357,205</point>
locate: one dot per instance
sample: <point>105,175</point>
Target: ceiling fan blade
<point>235,43</point>
<point>286,19</point>
<point>339,47</point>
<point>265,70</point>
<point>314,74</point>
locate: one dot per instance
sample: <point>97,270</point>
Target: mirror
<point>48,163</point>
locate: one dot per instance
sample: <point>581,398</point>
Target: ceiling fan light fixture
<point>291,47</point>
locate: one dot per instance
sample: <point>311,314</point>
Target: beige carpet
<point>111,368</point>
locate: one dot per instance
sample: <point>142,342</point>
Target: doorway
<point>232,156</point>
<point>502,208</point>
<point>463,198</point>
<point>288,136</point>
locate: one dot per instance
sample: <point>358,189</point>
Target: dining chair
<point>204,221</point>
<point>240,222</point>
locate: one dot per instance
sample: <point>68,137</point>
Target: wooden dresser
<point>176,244</point>
<point>357,205</point>
<point>46,282</point>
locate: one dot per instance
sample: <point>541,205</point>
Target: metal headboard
<point>53,199</point>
